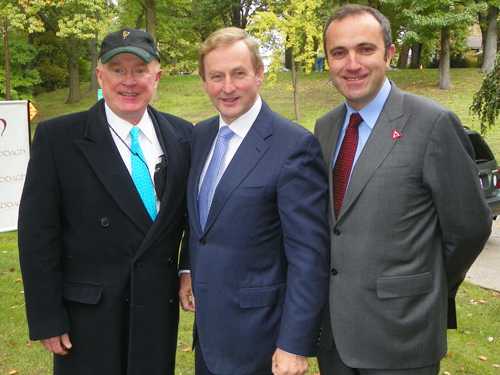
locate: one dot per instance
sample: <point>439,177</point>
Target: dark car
<point>488,170</point>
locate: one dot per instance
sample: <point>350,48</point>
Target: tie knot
<point>134,134</point>
<point>355,120</point>
<point>225,132</point>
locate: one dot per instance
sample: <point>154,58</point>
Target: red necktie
<point>345,158</point>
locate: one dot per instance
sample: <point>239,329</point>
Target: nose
<point>228,85</point>
<point>129,79</point>
<point>352,62</point>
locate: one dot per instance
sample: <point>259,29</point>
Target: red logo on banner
<point>4,125</point>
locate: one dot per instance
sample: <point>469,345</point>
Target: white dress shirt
<point>241,126</point>
<point>148,141</point>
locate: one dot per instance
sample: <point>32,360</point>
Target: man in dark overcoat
<point>101,218</point>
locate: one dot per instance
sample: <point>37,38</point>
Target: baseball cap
<point>131,40</point>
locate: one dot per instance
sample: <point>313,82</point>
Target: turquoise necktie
<point>140,174</point>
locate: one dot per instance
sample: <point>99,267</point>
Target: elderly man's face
<point>128,84</point>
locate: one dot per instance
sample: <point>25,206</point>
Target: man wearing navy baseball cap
<point>101,219</point>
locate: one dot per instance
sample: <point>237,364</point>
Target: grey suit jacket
<point>412,222</point>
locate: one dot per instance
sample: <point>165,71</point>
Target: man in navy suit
<point>100,270</point>
<point>257,253</point>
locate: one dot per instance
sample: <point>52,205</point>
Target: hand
<point>57,345</point>
<point>186,295</point>
<point>288,364</point>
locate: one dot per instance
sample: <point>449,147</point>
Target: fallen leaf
<point>14,343</point>
<point>28,343</point>
<point>482,357</point>
<point>17,280</point>
<point>12,270</point>
<point>447,373</point>
<point>496,366</point>
<point>470,314</point>
<point>472,343</point>
<point>13,372</point>
<point>490,339</point>
<point>185,350</point>
<point>482,301</point>
<point>462,367</point>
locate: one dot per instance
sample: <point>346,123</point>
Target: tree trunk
<point>295,83</point>
<point>416,48</point>
<point>490,40</point>
<point>31,41</point>
<point>403,57</point>
<point>151,18</point>
<point>93,47</point>
<point>75,94</point>
<point>444,61</point>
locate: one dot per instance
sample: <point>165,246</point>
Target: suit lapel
<point>250,152</point>
<point>202,142</point>
<point>378,146</point>
<point>332,138</point>
<point>103,156</point>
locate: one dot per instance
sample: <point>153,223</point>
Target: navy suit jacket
<point>260,269</point>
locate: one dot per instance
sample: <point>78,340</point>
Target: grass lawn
<point>474,348</point>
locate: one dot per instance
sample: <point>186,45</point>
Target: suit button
<point>171,302</point>
<point>202,242</point>
<point>137,263</point>
<point>128,302</point>
<point>170,261</point>
<point>105,222</point>
<point>334,272</point>
<point>336,232</point>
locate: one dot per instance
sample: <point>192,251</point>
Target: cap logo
<point>125,34</point>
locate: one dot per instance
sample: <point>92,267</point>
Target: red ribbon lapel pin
<point>396,134</point>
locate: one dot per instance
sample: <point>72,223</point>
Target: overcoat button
<point>334,272</point>
<point>137,263</point>
<point>170,261</point>
<point>105,222</point>
<point>171,302</point>
<point>128,302</point>
<point>203,242</point>
<point>336,232</point>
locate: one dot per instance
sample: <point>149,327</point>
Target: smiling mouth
<point>125,94</point>
<point>354,79</point>
<point>229,100</point>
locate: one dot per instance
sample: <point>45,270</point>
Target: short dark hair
<point>356,10</point>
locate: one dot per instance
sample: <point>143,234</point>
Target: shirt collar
<point>241,126</point>
<point>371,112</point>
<point>123,127</point>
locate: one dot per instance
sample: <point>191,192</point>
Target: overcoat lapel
<point>174,188</point>
<point>251,150</point>
<point>378,146</point>
<point>103,156</point>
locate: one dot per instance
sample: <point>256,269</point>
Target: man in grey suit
<point>412,218</point>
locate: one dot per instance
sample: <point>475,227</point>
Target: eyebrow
<point>362,44</point>
<point>216,71</point>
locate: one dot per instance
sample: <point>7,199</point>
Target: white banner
<point>14,157</point>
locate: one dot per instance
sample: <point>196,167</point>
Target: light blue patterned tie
<point>208,184</point>
<point>140,174</point>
